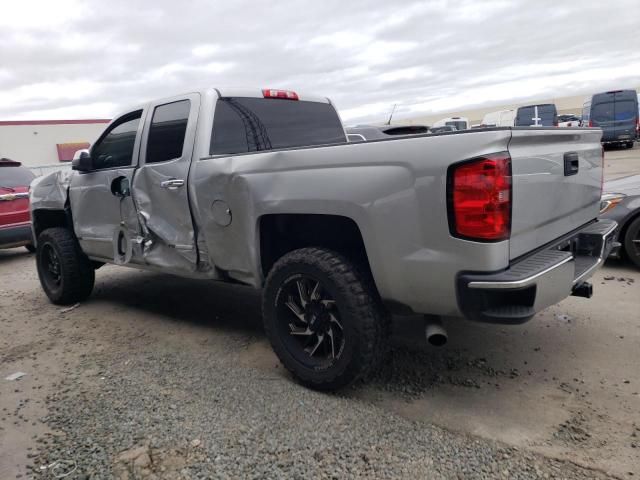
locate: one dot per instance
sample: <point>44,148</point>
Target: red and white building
<point>44,145</point>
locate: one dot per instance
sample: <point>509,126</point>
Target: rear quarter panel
<point>394,190</point>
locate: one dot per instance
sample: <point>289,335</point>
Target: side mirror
<point>82,161</point>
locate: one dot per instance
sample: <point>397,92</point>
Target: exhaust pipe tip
<point>435,331</point>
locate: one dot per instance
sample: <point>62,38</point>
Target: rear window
<point>15,177</point>
<point>243,125</point>
<point>626,110</point>
<point>602,112</point>
<point>526,115</point>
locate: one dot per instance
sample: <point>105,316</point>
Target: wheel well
<point>43,219</point>
<point>283,233</point>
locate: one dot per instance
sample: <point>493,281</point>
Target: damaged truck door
<point>160,189</point>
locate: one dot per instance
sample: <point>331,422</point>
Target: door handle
<point>172,184</point>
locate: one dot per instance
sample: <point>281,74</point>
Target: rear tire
<point>629,144</point>
<point>65,272</point>
<point>632,242</point>
<point>323,318</point>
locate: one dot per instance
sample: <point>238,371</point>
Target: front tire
<point>324,318</point>
<point>632,242</point>
<point>65,272</point>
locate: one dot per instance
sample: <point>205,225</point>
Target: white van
<point>460,123</point>
<point>501,118</point>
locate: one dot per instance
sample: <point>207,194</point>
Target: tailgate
<point>550,198</point>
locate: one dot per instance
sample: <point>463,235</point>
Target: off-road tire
<point>632,250</point>
<point>361,312</point>
<point>76,274</point>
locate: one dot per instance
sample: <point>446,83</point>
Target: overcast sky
<point>74,59</point>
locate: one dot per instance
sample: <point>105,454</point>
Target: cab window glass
<point>115,149</point>
<point>167,132</point>
<point>246,124</point>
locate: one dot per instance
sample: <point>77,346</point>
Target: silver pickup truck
<point>261,187</point>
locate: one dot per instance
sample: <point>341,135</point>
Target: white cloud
<point>42,14</point>
<point>84,58</point>
<point>205,50</point>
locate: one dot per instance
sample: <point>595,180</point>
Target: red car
<point>15,219</point>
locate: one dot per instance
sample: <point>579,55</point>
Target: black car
<point>362,133</point>
<point>616,113</point>
<point>626,211</point>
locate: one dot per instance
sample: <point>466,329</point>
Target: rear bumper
<point>15,235</point>
<point>539,280</point>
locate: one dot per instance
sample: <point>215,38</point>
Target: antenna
<point>393,110</point>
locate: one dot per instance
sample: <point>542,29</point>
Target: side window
<point>115,148</point>
<point>167,131</point>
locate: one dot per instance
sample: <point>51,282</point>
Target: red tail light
<point>480,198</point>
<point>284,94</point>
<point>591,123</point>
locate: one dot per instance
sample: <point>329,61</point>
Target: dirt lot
<point>160,377</point>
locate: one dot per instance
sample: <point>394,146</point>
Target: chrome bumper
<point>539,280</point>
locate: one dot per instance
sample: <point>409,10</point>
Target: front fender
<point>50,192</point>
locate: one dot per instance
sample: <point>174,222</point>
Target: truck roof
<point>225,92</point>
<point>259,93</point>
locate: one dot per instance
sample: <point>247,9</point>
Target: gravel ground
<point>181,414</point>
<point>165,378</point>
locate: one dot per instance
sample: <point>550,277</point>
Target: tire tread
<point>78,273</point>
<point>364,306</point>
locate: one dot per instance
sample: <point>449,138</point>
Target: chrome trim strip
<point>518,283</point>
<point>8,197</point>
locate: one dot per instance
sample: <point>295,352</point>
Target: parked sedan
<point>15,220</point>
<point>621,202</point>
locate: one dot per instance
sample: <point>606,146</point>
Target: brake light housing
<point>479,196</point>
<point>282,94</point>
